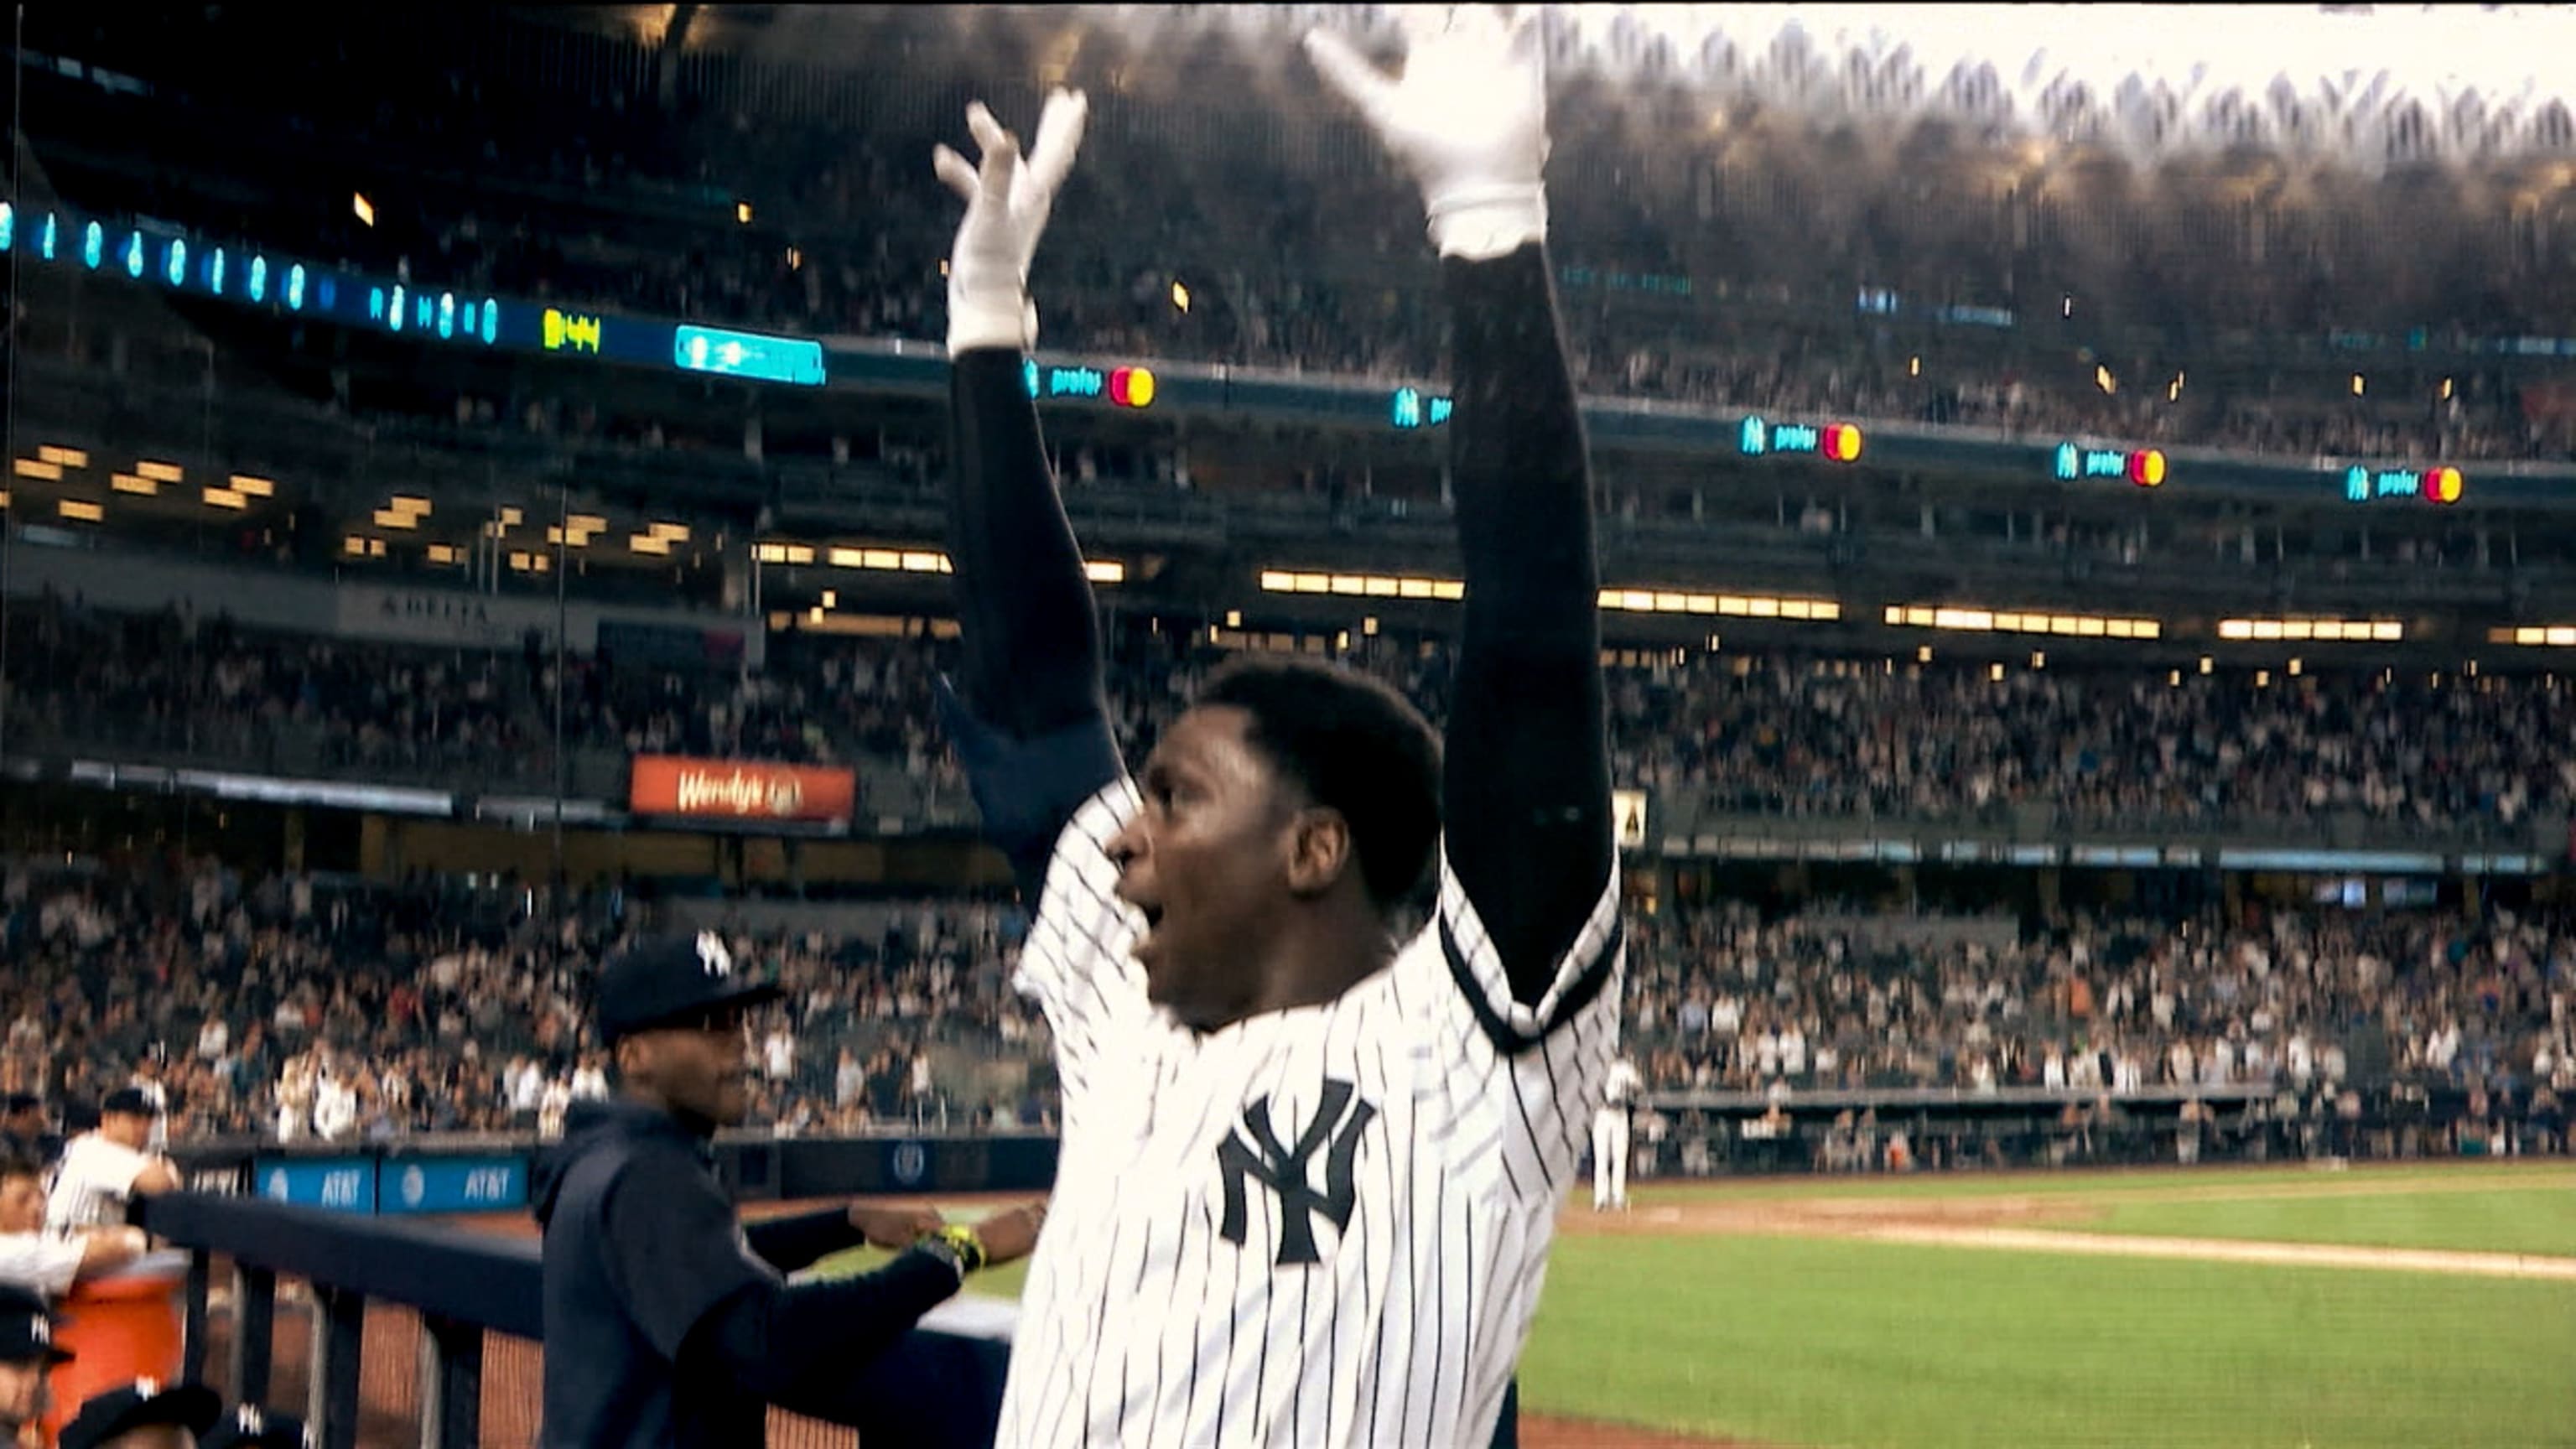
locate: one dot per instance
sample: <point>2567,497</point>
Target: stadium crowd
<point>294,1008</point>
<point>1789,737</point>
<point>286,1007</point>
<point>1198,252</point>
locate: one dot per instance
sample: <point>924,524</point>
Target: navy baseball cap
<point>141,1405</point>
<point>663,979</point>
<point>27,1329</point>
<point>132,1101</point>
<point>251,1427</point>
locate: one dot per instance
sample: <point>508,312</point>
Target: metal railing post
<point>254,1332</point>
<point>192,1334</point>
<point>451,1389</point>
<point>339,1347</point>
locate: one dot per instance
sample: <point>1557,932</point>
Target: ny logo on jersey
<point>1253,1151</point>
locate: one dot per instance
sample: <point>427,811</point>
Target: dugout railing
<point>387,1332</point>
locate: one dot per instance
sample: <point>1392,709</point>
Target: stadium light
<point>364,209</point>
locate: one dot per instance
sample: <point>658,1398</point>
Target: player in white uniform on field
<point>1310,1170</point>
<point>1610,1136</point>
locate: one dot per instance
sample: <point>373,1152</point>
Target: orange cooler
<point>124,1326</point>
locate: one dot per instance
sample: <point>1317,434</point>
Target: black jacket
<point>670,1325</point>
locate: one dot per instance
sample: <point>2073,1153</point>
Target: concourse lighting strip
<point>1970,620</point>
<point>2347,631</point>
<point>1624,600</point>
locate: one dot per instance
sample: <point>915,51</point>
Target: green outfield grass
<point>2502,1220</point>
<point>1813,1342</point>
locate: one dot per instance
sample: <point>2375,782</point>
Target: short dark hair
<point>1356,747</point>
<point>129,1102</point>
<point>21,1102</point>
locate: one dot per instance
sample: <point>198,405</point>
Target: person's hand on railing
<point>1010,1236</point>
<point>895,1226</point>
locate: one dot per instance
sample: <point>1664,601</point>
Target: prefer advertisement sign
<point>496,1182</point>
<point>739,790</point>
<point>344,1184</point>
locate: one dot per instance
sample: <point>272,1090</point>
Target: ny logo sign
<point>713,956</point>
<point>1253,1151</point>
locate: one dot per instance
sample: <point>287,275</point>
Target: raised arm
<point>1032,725</point>
<point>1527,781</point>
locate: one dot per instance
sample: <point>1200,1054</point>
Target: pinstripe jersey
<point>1313,1228</point>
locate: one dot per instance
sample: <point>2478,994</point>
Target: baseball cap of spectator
<point>131,1101</point>
<point>141,1405</point>
<point>27,1329</point>
<point>664,980</point>
<point>252,1427</point>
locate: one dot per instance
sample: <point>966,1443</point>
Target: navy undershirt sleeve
<point>1526,773</point>
<point>1028,715</point>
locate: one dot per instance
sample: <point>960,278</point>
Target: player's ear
<point>1320,850</point>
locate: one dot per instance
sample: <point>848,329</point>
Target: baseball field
<point>2425,1306</point>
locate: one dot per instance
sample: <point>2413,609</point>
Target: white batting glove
<point>1007,200</point>
<point>1468,120</point>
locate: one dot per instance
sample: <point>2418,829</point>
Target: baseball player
<point>251,1427</point>
<point>27,1361</point>
<point>1610,1137</point>
<point>46,1263</point>
<point>668,1323</point>
<point>103,1169</point>
<point>1310,1170</point>
<point>145,1414</point>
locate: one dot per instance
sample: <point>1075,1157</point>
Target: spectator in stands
<point>27,1361</point>
<point>48,1263</point>
<point>105,1168</point>
<point>147,1080</point>
<point>24,1134</point>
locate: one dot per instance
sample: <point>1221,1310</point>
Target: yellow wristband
<point>968,1247</point>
